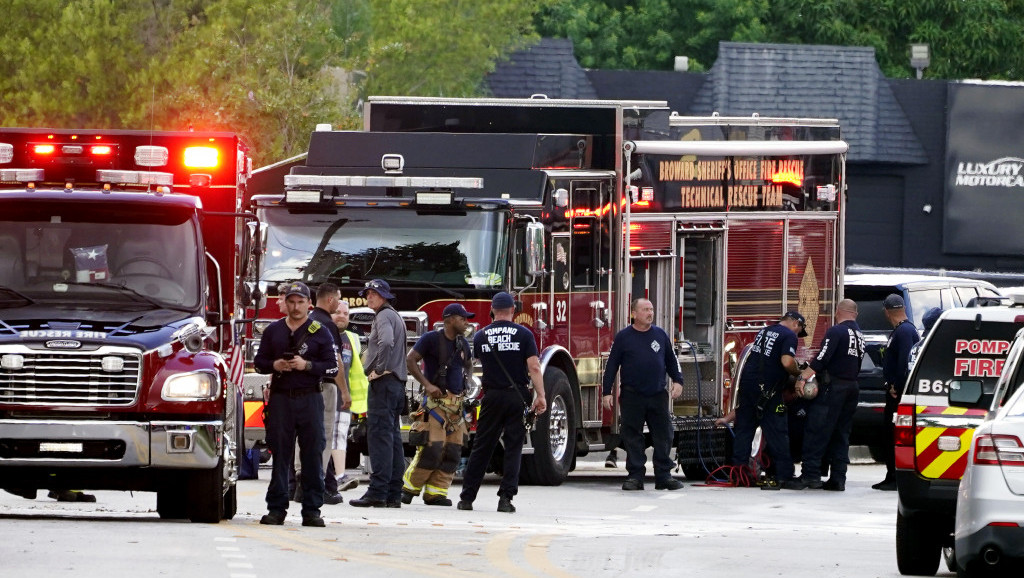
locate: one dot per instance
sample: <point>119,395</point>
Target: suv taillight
<point>998,450</point>
<point>903,425</point>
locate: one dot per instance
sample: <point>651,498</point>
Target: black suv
<point>920,293</point>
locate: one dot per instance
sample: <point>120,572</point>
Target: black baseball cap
<point>795,315</point>
<point>457,309</point>
<point>893,301</point>
<point>297,288</point>
<point>502,300</point>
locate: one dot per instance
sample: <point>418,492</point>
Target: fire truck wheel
<point>206,495</point>
<point>917,546</point>
<point>171,503</point>
<point>554,436</point>
<point>695,472</point>
<point>231,503</point>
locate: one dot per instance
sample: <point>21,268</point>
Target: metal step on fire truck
<point>119,252</point>
<point>576,207</point>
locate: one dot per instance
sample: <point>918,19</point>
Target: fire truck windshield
<point>111,256</point>
<point>452,250</point>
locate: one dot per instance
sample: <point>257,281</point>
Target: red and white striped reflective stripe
<point>236,369</point>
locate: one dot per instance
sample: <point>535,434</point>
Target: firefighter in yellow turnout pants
<point>439,423</point>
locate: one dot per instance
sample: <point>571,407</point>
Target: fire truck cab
<point>576,207</point>
<point>119,252</point>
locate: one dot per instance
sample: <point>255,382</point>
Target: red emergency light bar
<point>201,157</point>
<point>44,149</point>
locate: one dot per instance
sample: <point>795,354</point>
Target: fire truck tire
<point>231,503</point>
<point>918,548</point>
<point>695,472</point>
<point>206,495</point>
<point>554,437</point>
<point>171,504</point>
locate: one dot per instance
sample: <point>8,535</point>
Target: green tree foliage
<point>257,68</point>
<point>442,47</point>
<point>66,63</point>
<point>616,34</point>
<point>269,70</point>
<point>968,39</point>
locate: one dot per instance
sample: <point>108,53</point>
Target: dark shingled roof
<point>678,89</point>
<point>548,67</point>
<point>841,82</point>
<point>791,80</point>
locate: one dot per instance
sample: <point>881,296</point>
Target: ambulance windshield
<point>126,255</point>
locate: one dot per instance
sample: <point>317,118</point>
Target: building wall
<point>925,104</point>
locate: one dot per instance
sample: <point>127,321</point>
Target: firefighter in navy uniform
<point>895,366</point>
<point>508,358</point>
<point>300,353</point>
<point>830,413</point>
<point>765,374</point>
<point>642,355</point>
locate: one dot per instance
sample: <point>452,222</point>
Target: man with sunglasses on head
<point>384,363</point>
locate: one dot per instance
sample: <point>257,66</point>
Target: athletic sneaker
<point>609,462</point>
<point>347,482</point>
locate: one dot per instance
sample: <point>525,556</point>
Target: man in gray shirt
<point>384,363</point>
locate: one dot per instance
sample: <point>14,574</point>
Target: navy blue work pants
<point>827,434</point>
<point>501,415</point>
<point>385,403</point>
<point>289,418</point>
<point>635,410</point>
<point>774,428</point>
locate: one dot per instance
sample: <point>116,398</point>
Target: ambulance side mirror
<point>533,249</point>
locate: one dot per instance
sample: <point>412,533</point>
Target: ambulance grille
<point>72,379</point>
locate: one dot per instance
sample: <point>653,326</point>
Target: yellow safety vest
<point>358,383</point>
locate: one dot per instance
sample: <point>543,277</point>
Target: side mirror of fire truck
<point>253,294</point>
<point>534,249</point>
<point>599,312</point>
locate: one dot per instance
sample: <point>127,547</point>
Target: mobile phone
<point>288,356</point>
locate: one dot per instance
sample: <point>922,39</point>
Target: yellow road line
<point>323,546</point>
<point>537,556</point>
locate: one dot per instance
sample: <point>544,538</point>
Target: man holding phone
<point>299,353</point>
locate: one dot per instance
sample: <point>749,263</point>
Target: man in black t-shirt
<point>830,413</point>
<point>446,360</point>
<point>508,357</point>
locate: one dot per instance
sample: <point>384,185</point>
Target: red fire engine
<point>119,252</point>
<point>576,207</point>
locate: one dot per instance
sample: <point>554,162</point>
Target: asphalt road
<point>586,527</point>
